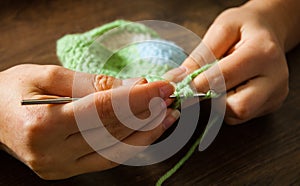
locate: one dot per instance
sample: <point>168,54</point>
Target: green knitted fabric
<point>150,58</point>
<point>71,49</point>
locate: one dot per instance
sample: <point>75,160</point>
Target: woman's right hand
<point>49,139</point>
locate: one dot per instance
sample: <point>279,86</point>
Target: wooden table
<point>264,151</point>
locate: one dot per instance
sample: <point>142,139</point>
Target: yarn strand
<point>189,153</point>
<point>209,94</point>
<point>173,170</point>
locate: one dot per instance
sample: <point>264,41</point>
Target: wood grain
<point>264,151</point>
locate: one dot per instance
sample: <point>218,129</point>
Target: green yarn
<point>181,89</point>
<point>189,153</point>
<point>179,164</point>
<point>184,90</point>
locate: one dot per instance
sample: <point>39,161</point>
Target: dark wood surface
<point>264,151</point>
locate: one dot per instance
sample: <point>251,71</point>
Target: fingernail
<point>133,81</point>
<point>166,103</point>
<point>166,90</point>
<point>171,118</point>
<point>172,74</point>
<point>173,84</point>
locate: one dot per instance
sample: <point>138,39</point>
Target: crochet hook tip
<point>194,95</point>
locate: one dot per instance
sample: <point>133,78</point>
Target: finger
<point>232,70</point>
<point>176,74</point>
<point>141,95</point>
<point>100,137</point>
<point>104,82</point>
<point>216,42</point>
<point>249,100</point>
<point>126,102</point>
<point>56,80</point>
<point>220,37</point>
<point>198,58</point>
<point>107,104</point>
<point>60,81</point>
<point>120,152</point>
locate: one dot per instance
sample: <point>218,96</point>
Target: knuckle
<point>240,110</point>
<point>47,167</point>
<point>49,74</point>
<point>33,152</point>
<point>230,12</point>
<point>221,22</point>
<point>104,82</point>
<point>37,120</point>
<point>104,105</point>
<point>51,71</point>
<point>271,50</point>
<point>34,126</point>
<point>40,164</point>
<point>37,162</point>
<point>220,27</point>
<point>242,113</point>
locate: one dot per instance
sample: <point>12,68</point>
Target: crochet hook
<point>68,99</point>
<point>48,101</point>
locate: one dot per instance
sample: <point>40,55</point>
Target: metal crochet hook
<point>48,101</point>
<point>68,99</point>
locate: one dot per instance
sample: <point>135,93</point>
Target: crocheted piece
<point>71,48</point>
<point>144,54</point>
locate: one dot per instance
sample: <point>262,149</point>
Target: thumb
<point>85,83</point>
<point>59,81</point>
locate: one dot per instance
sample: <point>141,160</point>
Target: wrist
<point>283,18</point>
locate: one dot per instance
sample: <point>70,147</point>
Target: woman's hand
<point>47,137</point>
<point>250,42</point>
